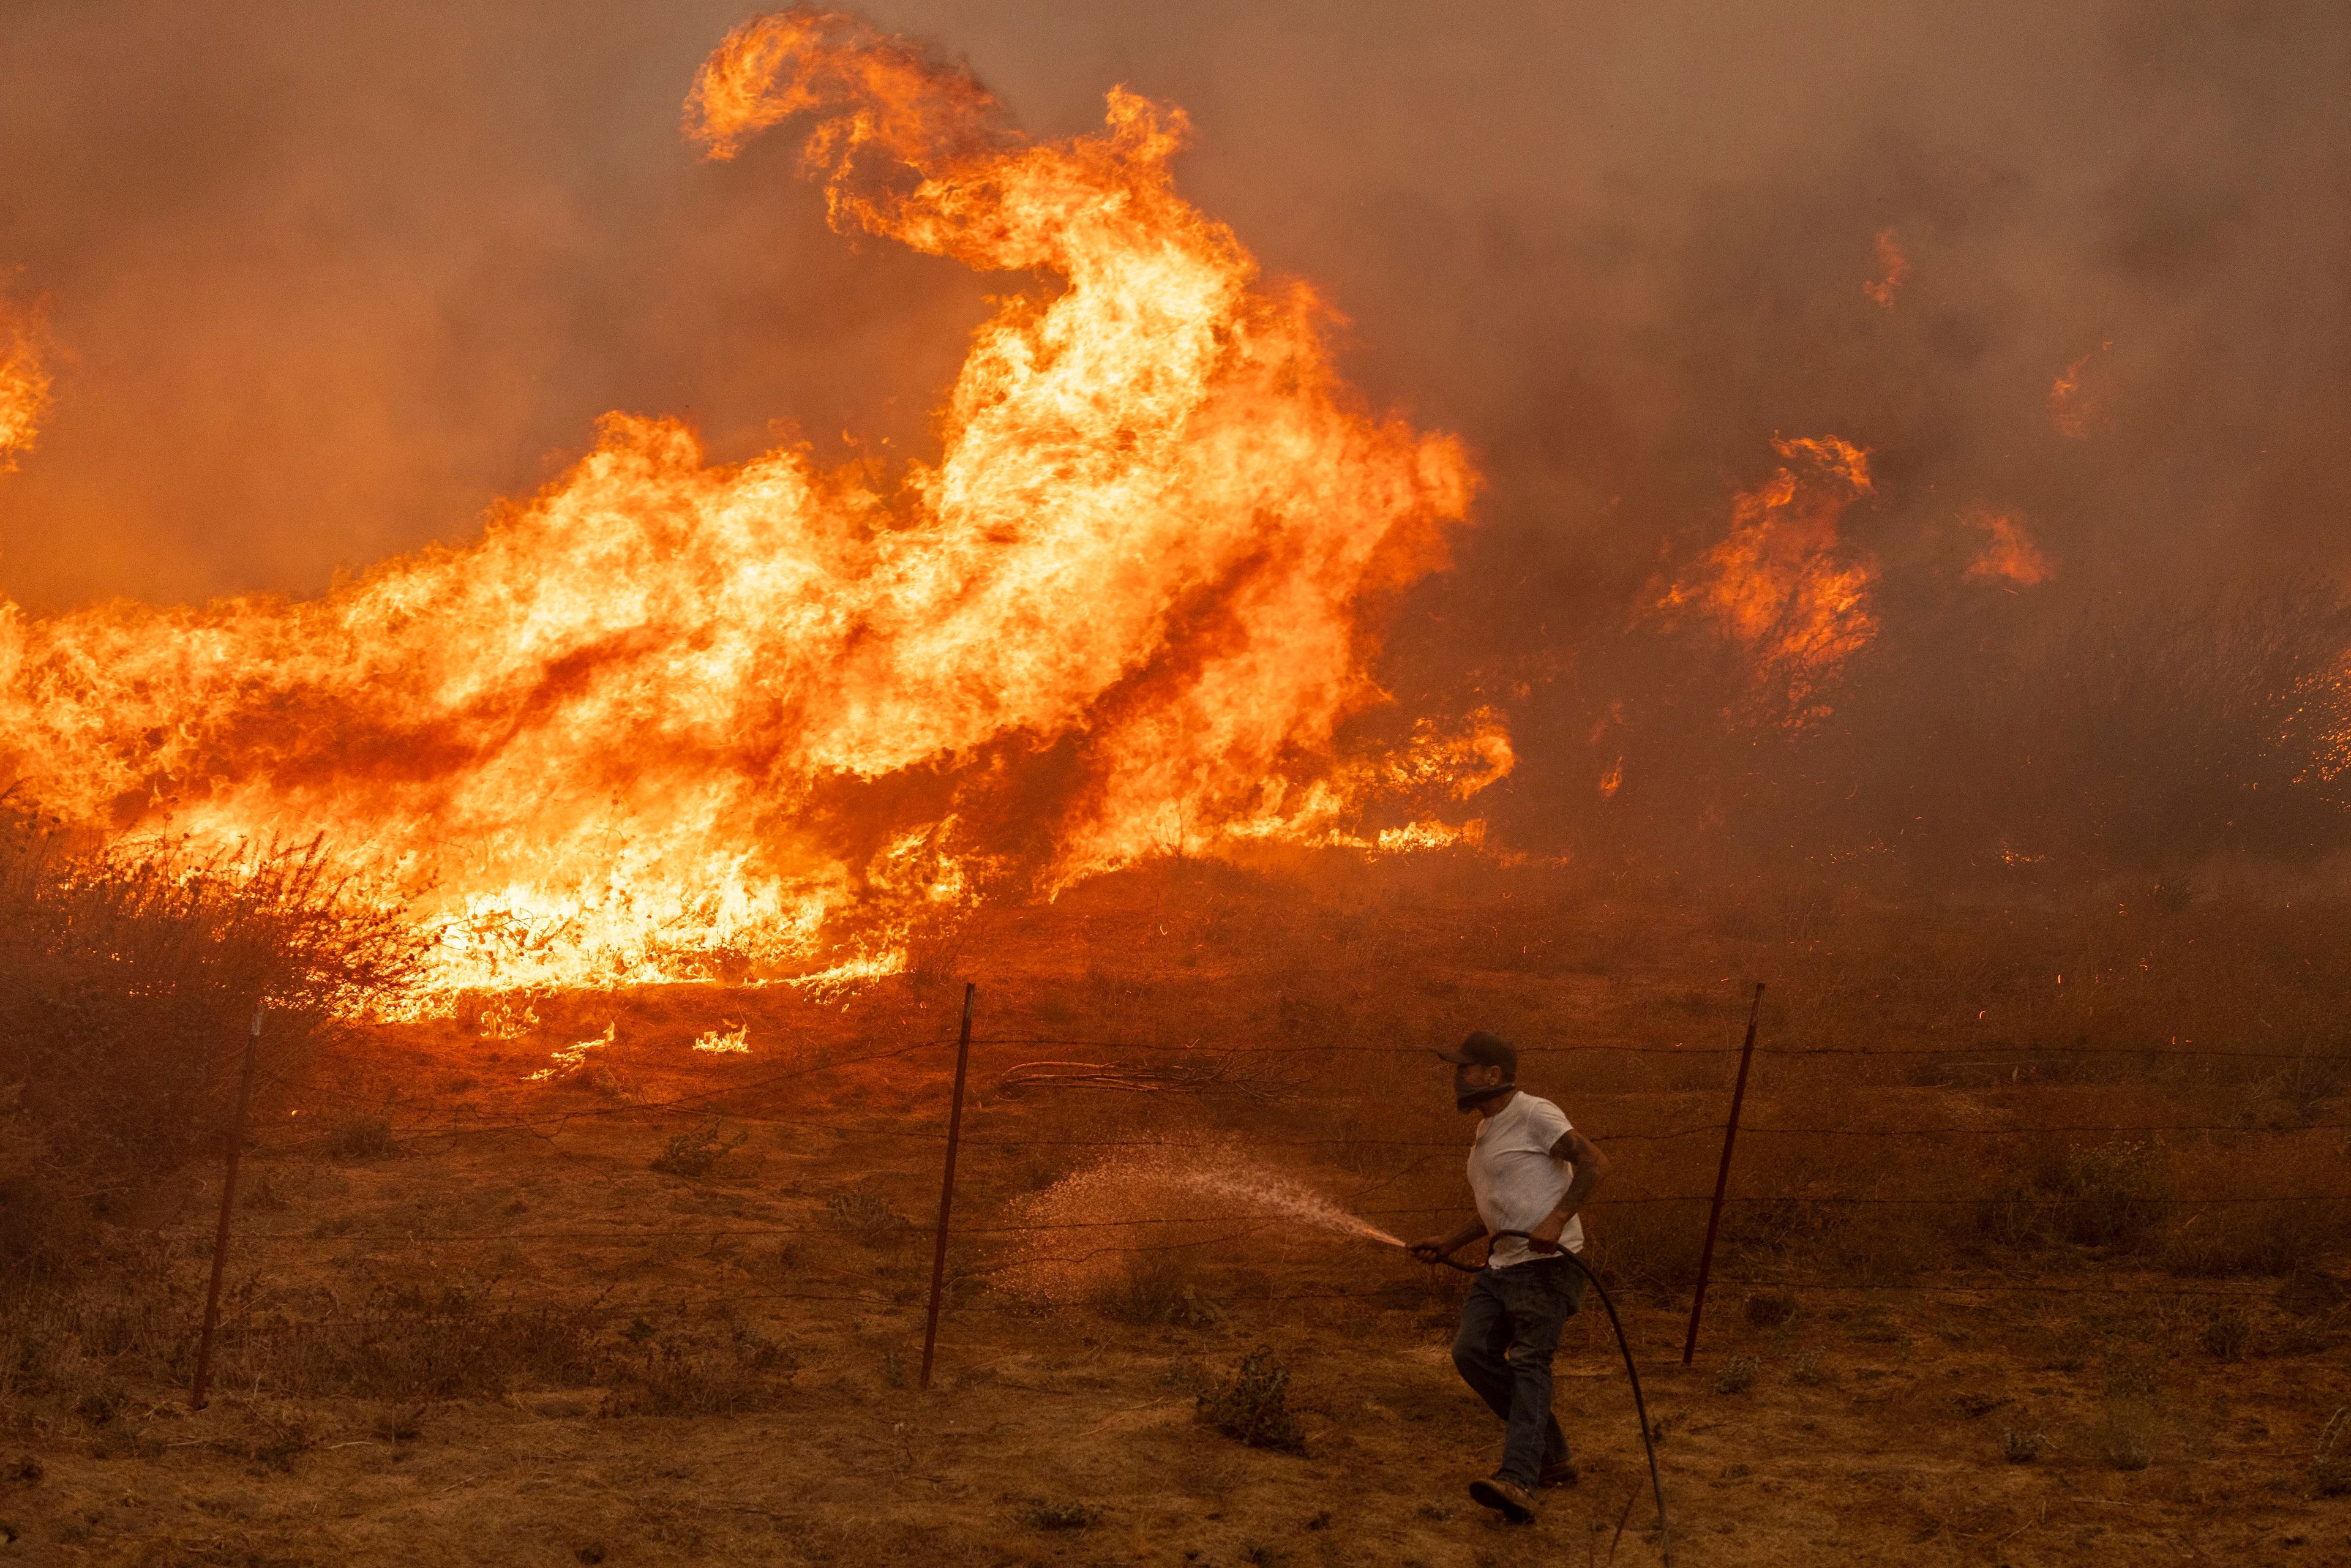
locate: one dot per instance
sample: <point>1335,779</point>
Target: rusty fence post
<point>1722,1176</point>
<point>946,1187</point>
<point>228,1207</point>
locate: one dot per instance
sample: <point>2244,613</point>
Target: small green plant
<point>1738,1374</point>
<point>2226,1334</point>
<point>2022,1448</point>
<point>1061,1516</point>
<point>1252,1407</point>
<point>2330,1462</point>
<point>693,1155</point>
<point>362,1138</point>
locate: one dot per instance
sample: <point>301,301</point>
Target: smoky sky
<point>323,282</point>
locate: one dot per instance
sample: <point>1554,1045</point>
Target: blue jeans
<point>1509,1330</point>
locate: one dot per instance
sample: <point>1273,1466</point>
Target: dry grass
<point>777,1279</point>
<point>127,978</point>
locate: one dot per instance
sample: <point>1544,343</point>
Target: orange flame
<point>671,719</point>
<point>24,388</point>
<point>2075,408</point>
<point>1893,266</point>
<point>1781,584</point>
<point>2009,554</point>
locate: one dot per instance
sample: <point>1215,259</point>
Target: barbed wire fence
<point>1750,1188</point>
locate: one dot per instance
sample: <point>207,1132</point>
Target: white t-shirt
<point>1514,1179</point>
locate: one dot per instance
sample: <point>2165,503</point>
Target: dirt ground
<point>470,1322</point>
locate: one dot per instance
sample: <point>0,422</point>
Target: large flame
<point>1782,583</point>
<point>672,718</point>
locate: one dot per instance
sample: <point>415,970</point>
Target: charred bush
<point>695,1155</point>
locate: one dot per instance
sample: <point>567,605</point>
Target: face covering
<point>1470,1099</point>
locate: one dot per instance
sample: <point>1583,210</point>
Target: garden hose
<point>1640,1406</point>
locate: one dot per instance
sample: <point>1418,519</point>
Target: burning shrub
<point>1252,1407</point>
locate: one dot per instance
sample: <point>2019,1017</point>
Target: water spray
<point>1640,1406</point>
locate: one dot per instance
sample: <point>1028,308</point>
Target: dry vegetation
<point>2012,1276</point>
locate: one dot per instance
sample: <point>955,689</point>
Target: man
<point>1531,1172</point>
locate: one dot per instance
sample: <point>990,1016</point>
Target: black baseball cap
<point>1483,1049</point>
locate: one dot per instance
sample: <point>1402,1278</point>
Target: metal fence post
<point>228,1207</point>
<point>946,1187</point>
<point>1722,1176</point>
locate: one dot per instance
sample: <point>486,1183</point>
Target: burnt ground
<point>471,1321</point>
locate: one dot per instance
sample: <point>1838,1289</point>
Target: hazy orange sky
<point>323,282</point>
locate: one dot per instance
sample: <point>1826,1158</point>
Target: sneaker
<point>1508,1499</point>
<point>1559,1473</point>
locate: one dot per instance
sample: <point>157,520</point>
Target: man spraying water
<point>1531,1174</point>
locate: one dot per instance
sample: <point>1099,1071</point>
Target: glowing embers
<point>1785,585</point>
<point>671,720</point>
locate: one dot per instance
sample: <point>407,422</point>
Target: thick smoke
<point>323,281</point>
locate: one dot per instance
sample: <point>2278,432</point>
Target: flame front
<point>671,718</point>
